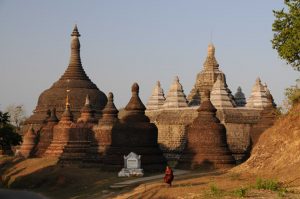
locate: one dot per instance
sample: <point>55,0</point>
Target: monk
<point>168,176</point>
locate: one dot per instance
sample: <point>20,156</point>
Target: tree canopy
<point>8,135</point>
<point>286,28</point>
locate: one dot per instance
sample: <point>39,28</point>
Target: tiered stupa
<point>267,118</point>
<point>195,98</point>
<point>239,97</point>
<point>134,133</point>
<point>29,143</point>
<point>87,113</point>
<point>269,95</point>
<point>101,139</point>
<point>176,97</point>
<point>61,133</point>
<point>219,95</point>
<point>258,98</point>
<point>157,98</point>
<point>76,82</point>
<point>206,140</point>
<point>46,134</point>
<point>208,76</point>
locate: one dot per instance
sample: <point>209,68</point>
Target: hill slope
<point>277,152</point>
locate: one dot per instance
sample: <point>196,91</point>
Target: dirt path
<point>16,194</point>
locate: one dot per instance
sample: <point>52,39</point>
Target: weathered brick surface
<point>172,125</point>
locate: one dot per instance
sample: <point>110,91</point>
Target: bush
<point>241,192</point>
<point>293,95</point>
<point>215,191</point>
<point>267,184</point>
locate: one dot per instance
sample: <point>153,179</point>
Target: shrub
<point>241,192</point>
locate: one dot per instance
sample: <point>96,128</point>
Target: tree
<point>17,115</point>
<point>8,135</point>
<point>286,28</point>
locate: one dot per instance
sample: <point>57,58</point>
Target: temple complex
<point>75,121</point>
<point>243,120</point>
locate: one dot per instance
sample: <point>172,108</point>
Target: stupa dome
<point>73,82</point>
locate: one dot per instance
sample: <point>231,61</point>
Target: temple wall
<point>238,140</point>
<point>172,125</point>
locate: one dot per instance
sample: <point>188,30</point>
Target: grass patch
<point>267,184</point>
<point>241,192</point>
<point>272,185</point>
<point>214,192</point>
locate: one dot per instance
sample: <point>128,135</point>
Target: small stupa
<point>61,132</point>
<point>219,95</point>
<point>101,139</point>
<point>29,143</point>
<point>157,98</point>
<point>258,98</point>
<point>194,98</point>
<point>176,97</point>
<point>267,118</point>
<point>87,113</point>
<point>239,97</point>
<point>206,140</point>
<point>46,134</point>
<point>134,133</point>
<point>269,95</point>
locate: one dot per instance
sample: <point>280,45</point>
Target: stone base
<point>131,172</point>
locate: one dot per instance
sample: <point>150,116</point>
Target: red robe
<point>168,176</point>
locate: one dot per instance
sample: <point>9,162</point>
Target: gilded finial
<point>87,100</point>
<point>67,101</point>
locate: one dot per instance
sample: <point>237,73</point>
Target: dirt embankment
<point>277,152</point>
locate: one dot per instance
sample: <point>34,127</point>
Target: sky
<point>141,41</point>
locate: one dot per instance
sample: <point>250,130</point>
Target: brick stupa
<point>219,95</point>
<point>134,133</point>
<point>101,137</point>
<point>258,98</point>
<point>29,143</point>
<point>157,98</point>
<point>46,134</point>
<point>176,97</point>
<point>77,82</point>
<point>206,141</point>
<point>240,98</point>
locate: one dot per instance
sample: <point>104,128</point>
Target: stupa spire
<point>67,115</point>
<point>211,62</point>
<point>75,69</point>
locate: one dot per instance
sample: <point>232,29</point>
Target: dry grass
<point>277,153</point>
<point>42,175</point>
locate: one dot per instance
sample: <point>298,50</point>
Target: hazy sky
<point>128,41</point>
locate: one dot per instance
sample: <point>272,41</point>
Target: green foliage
<point>215,191</point>
<point>267,184</point>
<point>286,28</point>
<point>241,192</point>
<point>293,95</point>
<point>8,135</point>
